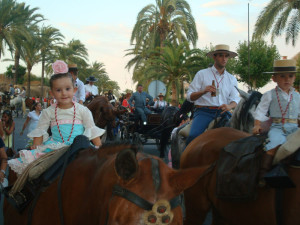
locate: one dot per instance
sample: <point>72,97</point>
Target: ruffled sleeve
<point>42,126</point>
<point>91,130</point>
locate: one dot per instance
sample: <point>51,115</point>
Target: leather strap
<point>206,107</point>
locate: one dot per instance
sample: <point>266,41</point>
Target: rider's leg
<point>142,114</point>
<point>201,120</point>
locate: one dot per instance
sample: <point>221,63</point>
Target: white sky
<point>105,28</point>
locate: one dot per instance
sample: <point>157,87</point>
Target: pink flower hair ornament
<point>59,66</point>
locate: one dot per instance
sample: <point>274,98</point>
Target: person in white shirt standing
<point>80,93</point>
<point>212,91</point>
<point>90,88</point>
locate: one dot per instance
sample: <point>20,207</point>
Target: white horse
<point>16,103</point>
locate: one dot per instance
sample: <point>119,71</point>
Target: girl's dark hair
<point>24,88</point>
<point>10,118</point>
<point>33,107</point>
<point>59,76</point>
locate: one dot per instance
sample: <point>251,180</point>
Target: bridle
<point>157,213</point>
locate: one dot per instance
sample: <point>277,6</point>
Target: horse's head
<point>102,111</point>
<point>242,118</point>
<point>147,191</point>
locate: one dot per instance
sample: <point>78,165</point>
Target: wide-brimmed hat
<point>284,66</point>
<point>160,95</point>
<point>222,49</point>
<point>91,79</point>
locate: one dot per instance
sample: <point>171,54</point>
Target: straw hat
<point>160,95</point>
<point>72,67</point>
<point>284,66</point>
<point>222,49</point>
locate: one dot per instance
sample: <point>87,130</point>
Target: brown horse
<point>112,185</point>
<point>200,198</point>
<point>103,112</point>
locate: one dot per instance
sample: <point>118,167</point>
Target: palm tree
<point>277,17</point>
<point>15,20</point>
<point>49,38</point>
<point>167,20</point>
<point>30,54</point>
<point>175,65</point>
<point>72,52</point>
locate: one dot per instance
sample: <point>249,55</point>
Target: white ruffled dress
<point>84,124</point>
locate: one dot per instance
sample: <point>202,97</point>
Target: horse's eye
<point>152,219</point>
<point>166,219</point>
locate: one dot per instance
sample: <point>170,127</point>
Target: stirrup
<point>278,178</point>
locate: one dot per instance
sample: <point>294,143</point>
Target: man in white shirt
<point>90,88</point>
<point>212,91</point>
<point>80,93</point>
<point>160,104</point>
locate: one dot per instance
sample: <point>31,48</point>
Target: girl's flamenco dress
<point>65,125</point>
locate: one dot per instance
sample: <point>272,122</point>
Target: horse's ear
<point>185,178</point>
<point>126,164</point>
<point>243,94</point>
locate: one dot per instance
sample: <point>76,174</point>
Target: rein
<point>159,207</point>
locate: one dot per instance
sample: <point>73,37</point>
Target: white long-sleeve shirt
<point>227,91</point>
<point>91,89</point>
<point>80,93</point>
<point>264,105</point>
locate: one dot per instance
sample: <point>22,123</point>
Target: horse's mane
<point>108,149</point>
<point>242,115</point>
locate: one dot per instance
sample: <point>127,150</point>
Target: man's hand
<point>225,108</point>
<point>210,89</point>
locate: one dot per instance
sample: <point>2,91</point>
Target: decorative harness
<point>157,213</point>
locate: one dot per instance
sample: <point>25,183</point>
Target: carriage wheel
<point>136,139</point>
<point>124,133</point>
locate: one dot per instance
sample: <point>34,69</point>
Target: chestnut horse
<point>112,185</point>
<point>200,198</point>
<point>104,113</point>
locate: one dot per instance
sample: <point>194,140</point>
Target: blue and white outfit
<point>209,105</point>
<point>140,104</point>
<point>83,124</point>
<point>269,104</point>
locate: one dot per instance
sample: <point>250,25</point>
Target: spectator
<point>8,126</point>
<point>11,91</point>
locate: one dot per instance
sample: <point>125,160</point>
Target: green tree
<point>175,65</point>
<point>20,73</point>
<point>15,20</point>
<point>49,38</point>
<point>72,52</point>
<point>30,54</point>
<point>262,57</point>
<point>277,17</point>
<point>297,81</point>
<point>170,20</point>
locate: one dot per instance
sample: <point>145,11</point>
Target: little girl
<point>66,118</point>
<point>8,126</point>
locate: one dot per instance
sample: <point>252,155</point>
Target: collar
<point>217,72</point>
<point>290,91</point>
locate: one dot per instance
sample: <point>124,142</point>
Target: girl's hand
<point>256,129</point>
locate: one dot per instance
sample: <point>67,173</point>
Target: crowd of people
<point>213,91</point>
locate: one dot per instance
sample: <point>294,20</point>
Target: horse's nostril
<point>152,219</point>
<point>166,219</point>
<point>161,209</point>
